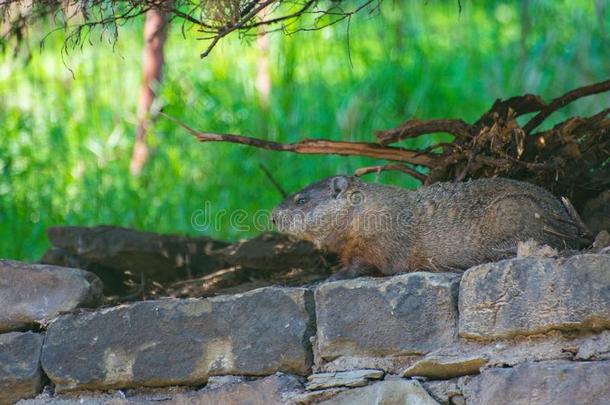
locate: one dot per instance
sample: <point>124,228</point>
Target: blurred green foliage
<point>65,142</point>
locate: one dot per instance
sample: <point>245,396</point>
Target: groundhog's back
<point>457,225</point>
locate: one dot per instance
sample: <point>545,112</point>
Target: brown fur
<point>446,226</point>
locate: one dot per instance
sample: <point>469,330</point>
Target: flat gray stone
<point>20,372</point>
<point>35,293</point>
<point>275,389</point>
<point>216,381</point>
<point>182,342</point>
<point>407,314</point>
<point>315,397</point>
<point>529,296</point>
<point>446,367</point>
<point>353,378</point>
<point>543,383</point>
<point>389,364</point>
<point>394,392</point>
<point>468,357</point>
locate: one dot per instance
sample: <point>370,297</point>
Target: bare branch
<point>414,128</point>
<point>227,30</point>
<point>564,100</point>
<point>276,20</point>
<point>397,167</point>
<point>317,146</point>
<point>519,105</point>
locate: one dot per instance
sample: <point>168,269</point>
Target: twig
<point>296,14</point>
<point>317,146</point>
<point>564,100</point>
<point>414,128</point>
<point>578,222</point>
<point>382,168</point>
<point>272,180</point>
<point>227,30</point>
<point>462,174</point>
<point>341,15</point>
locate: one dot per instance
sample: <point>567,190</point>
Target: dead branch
<point>595,122</point>
<point>564,100</point>
<point>317,146</point>
<point>414,128</point>
<point>397,167</point>
<point>519,105</point>
<point>578,222</point>
<point>501,108</point>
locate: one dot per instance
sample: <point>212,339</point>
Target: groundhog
<point>443,227</point>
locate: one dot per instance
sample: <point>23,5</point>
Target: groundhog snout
<point>276,218</point>
<point>285,220</point>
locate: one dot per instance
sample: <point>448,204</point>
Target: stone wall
<point>530,330</point>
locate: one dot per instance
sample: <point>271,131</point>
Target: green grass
<point>65,142</point>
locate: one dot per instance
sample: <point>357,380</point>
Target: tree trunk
<point>155,34</point>
<point>263,76</point>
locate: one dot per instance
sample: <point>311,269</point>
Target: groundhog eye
<point>301,201</point>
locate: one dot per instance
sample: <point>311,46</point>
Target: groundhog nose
<point>274,217</point>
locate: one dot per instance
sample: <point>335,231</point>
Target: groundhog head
<point>321,211</point>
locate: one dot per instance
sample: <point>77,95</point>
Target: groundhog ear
<point>338,185</point>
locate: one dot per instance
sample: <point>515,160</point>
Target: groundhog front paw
<point>345,274</point>
<point>350,272</point>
